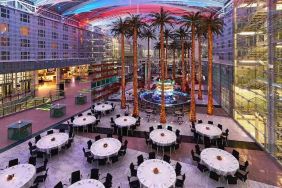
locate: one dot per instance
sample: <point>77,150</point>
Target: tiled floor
<point>61,166</point>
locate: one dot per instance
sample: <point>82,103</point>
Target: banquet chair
<point>37,138</point>
<point>159,127</point>
<point>98,137</point>
<point>202,167</point>
<point>155,147</point>
<point>122,150</point>
<point>133,182</point>
<point>89,114</point>
<point>86,153</point>
<point>152,155</point>
<point>197,149</point>
<point>61,130</point>
<point>194,157</point>
<point>166,158</point>
<point>147,139</point>
<point>244,166</point>
<point>200,121</point>
<point>180,181</point>
<point>120,138</point>
<point>118,115</point>
<point>59,185</point>
<point>236,154</point>
<point>140,159</point>
<point>177,132</point>
<point>13,162</point>
<point>31,147</point>
<point>242,175</point>
<point>54,152</point>
<point>98,103</point>
<point>41,178</point>
<point>32,160</point>
<point>43,167</point>
<point>40,154</point>
<point>224,136</point>
<point>108,182</point>
<point>72,119</point>
<point>231,180</point>
<point>50,132</point>
<point>133,170</point>
<point>102,162</point>
<point>75,177</point>
<point>178,168</point>
<point>79,115</point>
<point>219,126</point>
<point>210,122</point>
<point>89,144</point>
<point>110,135</point>
<point>214,176</point>
<point>151,129</point>
<point>94,174</point>
<point>193,129</point>
<point>169,128</point>
<point>113,159</point>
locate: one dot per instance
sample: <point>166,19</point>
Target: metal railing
<point>34,102</point>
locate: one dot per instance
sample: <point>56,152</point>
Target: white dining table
<point>51,141</point>
<point>125,121</point>
<point>87,183</point>
<point>83,120</point>
<point>163,137</point>
<point>105,147</point>
<point>220,161</point>
<point>103,107</point>
<point>18,176</point>
<point>155,173</point>
<point>208,130</point>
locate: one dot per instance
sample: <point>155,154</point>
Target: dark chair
<point>207,142</point>
<point>236,154</point>
<point>32,147</point>
<point>13,162</point>
<point>214,176</point>
<point>89,114</point>
<point>50,132</point>
<point>194,157</point>
<point>159,127</point>
<point>34,185</point>
<point>40,154</point>
<point>125,143</point>
<point>86,153</point>
<point>180,181</point>
<point>219,126</point>
<point>75,177</point>
<point>41,178</point>
<point>59,185</point>
<point>198,149</point>
<point>169,128</point>
<point>242,175</point>
<point>98,137</point>
<point>140,159</point>
<point>37,138</point>
<point>120,138</point>
<point>166,158</point>
<point>32,160</point>
<point>200,121</point>
<point>54,152</point>
<point>79,115</point>
<point>202,167</point>
<point>118,115</point>
<point>72,119</point>
<point>109,135</point>
<point>114,159</point>
<point>102,162</point>
<point>147,139</point>
<point>225,135</point>
<point>151,129</point>
<point>178,168</point>
<point>43,167</point>
<point>122,151</point>
<point>244,166</point>
<point>108,182</point>
<point>177,132</point>
<point>210,122</point>
<point>232,180</point>
<point>94,174</point>
<point>89,144</point>
<point>152,155</point>
<point>133,182</point>
<point>62,130</point>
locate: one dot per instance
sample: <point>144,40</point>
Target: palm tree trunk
<point>183,85</point>
<point>166,57</point>
<point>200,92</point>
<point>149,66</point>
<point>210,69</point>
<point>162,112</point>
<point>123,99</point>
<point>193,101</point>
<point>173,65</point>
<point>135,75</point>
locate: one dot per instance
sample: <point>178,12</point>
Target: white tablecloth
<point>163,137</point>
<point>228,165</point>
<point>125,121</point>
<point>99,150</point>
<point>165,177</point>
<point>24,175</point>
<point>103,107</point>
<point>87,183</point>
<point>83,121</point>
<point>208,130</point>
<point>45,143</point>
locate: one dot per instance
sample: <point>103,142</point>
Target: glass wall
<point>257,74</point>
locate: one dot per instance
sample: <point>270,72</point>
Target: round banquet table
<point>47,143</point>
<point>208,130</point>
<point>224,165</point>
<point>83,121</point>
<point>87,183</point>
<point>105,147</point>
<point>163,137</point>
<point>156,173</point>
<point>24,175</point>
<point>103,107</point>
<point>125,121</point>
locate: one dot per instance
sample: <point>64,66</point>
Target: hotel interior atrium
<point>140,93</point>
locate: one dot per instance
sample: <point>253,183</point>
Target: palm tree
<point>214,25</point>
<point>149,34</point>
<point>160,19</point>
<point>200,34</point>
<point>167,35</point>
<point>135,23</point>
<point>119,28</point>
<point>187,47</point>
<point>181,33</point>
<point>192,19</point>
<point>173,46</point>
